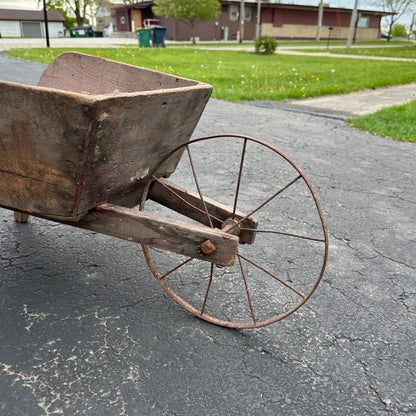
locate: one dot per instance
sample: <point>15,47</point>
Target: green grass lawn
<point>397,122</point>
<point>241,76</point>
<point>408,51</point>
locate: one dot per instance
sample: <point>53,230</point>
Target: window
<point>363,22</point>
<point>235,13</point>
<point>248,14</point>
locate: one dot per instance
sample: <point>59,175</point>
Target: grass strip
<point>388,52</point>
<point>397,122</point>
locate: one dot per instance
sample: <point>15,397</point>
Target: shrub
<point>399,31</point>
<point>265,44</point>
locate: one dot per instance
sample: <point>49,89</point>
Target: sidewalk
<point>361,102</point>
<point>6,44</point>
<point>338,55</point>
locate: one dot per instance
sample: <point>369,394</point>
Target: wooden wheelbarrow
<point>97,138</point>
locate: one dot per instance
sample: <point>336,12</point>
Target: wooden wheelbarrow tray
<point>91,132</point>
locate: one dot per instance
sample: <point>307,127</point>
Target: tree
<point>398,8</point>
<point>399,31</point>
<point>77,7</point>
<point>188,11</point>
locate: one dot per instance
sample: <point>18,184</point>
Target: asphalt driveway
<point>86,330</point>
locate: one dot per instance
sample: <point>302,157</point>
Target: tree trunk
<point>390,30</point>
<point>193,33</point>
<point>80,19</point>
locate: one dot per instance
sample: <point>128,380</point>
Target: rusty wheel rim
<point>289,296</point>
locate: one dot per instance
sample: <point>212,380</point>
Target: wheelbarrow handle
<point>189,239</point>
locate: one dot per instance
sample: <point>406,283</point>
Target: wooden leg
<point>20,216</point>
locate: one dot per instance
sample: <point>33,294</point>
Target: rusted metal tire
<point>277,273</point>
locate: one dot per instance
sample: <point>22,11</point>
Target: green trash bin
<point>158,38</point>
<point>85,31</point>
<point>144,37</point>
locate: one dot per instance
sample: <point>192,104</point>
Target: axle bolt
<point>208,247</point>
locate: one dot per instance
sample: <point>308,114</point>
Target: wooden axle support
<point>217,245</point>
<point>189,204</point>
<point>163,233</point>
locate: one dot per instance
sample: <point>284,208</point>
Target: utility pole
<point>352,25</point>
<point>45,18</point>
<point>258,26</point>
<point>320,14</point>
<point>411,25</point>
<point>241,21</point>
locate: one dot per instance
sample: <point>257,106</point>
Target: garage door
<point>31,30</point>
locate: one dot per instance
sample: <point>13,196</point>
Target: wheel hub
<point>231,226</point>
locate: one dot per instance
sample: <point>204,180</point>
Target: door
<point>31,30</point>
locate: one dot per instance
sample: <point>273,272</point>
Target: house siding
<point>286,23</point>
<point>277,20</point>
<point>211,30</point>
<point>12,22</point>
<point>10,29</point>
<point>104,16</point>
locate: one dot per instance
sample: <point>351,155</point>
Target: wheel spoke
<point>243,154</point>
<point>169,189</point>
<point>247,291</point>
<point>266,201</point>
<point>272,275</point>
<point>209,287</point>
<point>176,268</point>
<point>197,186</point>
<point>283,233</point>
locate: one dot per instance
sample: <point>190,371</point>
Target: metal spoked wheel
<point>272,208</point>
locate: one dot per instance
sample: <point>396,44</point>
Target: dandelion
<point>242,75</point>
<point>317,78</point>
<point>332,70</point>
<point>242,82</point>
<point>293,69</point>
<point>202,65</point>
<point>253,66</point>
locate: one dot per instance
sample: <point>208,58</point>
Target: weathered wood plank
<point>86,74</point>
<point>189,204</point>
<point>89,133</point>
<point>130,138</point>
<point>42,138</point>
<point>164,233</point>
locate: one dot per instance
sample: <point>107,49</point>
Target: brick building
<point>282,21</point>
